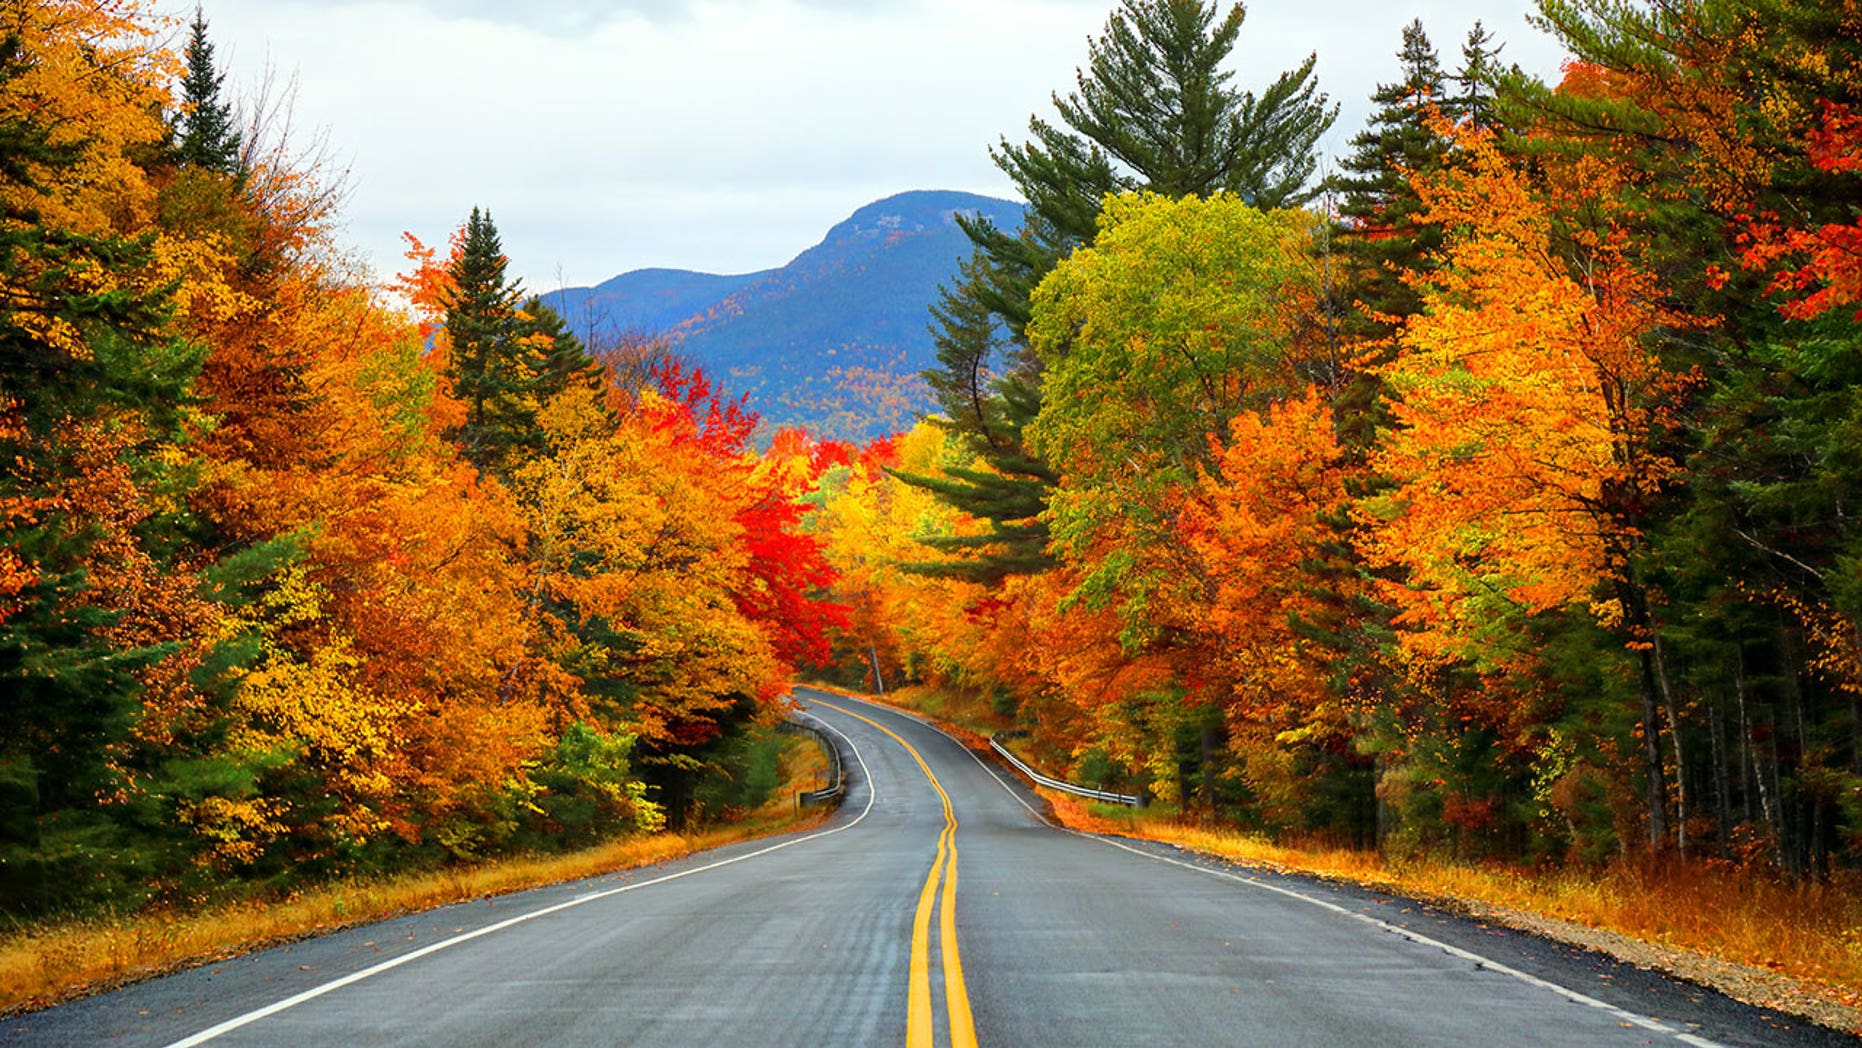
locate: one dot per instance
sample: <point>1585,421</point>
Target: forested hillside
<point>834,340</point>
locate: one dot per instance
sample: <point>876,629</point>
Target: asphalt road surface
<point>936,908</point>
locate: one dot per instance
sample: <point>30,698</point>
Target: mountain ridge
<point>839,331</point>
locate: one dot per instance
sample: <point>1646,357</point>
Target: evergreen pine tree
<point>208,138</point>
<point>1152,110</point>
<point>990,412</point>
<point>1382,237</point>
<point>493,369</point>
<point>1473,100</point>
<point>564,361</point>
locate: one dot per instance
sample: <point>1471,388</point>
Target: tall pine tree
<point>207,135</point>
<point>510,353</point>
<point>494,371</point>
<point>1381,237</point>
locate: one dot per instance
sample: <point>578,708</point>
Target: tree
<point>1382,238</point>
<point>1522,449</point>
<point>94,396</point>
<point>1006,488</point>
<point>494,370</point>
<point>208,137</point>
<point>1473,102</point>
<point>1152,111</point>
<point>562,359</point>
<point>1261,517</point>
<point>1183,314</point>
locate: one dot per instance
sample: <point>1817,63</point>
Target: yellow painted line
<point>956,996</point>
<point>919,1032</point>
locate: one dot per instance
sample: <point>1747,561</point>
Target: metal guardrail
<point>995,743</point>
<point>836,788</point>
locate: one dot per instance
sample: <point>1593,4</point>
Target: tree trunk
<point>1211,744</point>
<point>1722,789</point>
<point>1657,793</point>
<point>1649,686</point>
<point>1674,737</point>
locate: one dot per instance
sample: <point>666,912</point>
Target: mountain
<point>835,339</point>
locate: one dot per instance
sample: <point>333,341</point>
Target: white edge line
<point>1467,955</point>
<point>314,992</point>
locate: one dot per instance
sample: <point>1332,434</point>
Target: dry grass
<point>44,965</point>
<point>1810,933</point>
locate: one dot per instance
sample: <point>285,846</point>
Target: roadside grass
<point>1809,933</point>
<point>45,964</point>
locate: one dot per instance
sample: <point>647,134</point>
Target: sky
<point>724,136</point>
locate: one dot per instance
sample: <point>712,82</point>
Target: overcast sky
<point>723,135</point>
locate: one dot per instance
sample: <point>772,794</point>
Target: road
<point>936,908</point>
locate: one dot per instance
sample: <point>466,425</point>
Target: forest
<point>304,577</point>
<point>1488,495</point>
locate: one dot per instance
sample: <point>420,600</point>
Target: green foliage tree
<point>1381,238</point>
<point>1180,316</point>
<point>495,371</point>
<point>208,137</point>
<point>563,359</point>
<point>1473,99</point>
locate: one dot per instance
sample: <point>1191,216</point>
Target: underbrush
<point>43,963</point>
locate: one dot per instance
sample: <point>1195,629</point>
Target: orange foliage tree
<point>1527,397</point>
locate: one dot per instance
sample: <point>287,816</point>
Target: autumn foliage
<point>1509,517</point>
<point>277,600</point>
<point>1504,510</point>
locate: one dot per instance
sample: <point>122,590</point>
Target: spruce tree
<point>208,138</point>
<point>1473,100</point>
<point>493,370</point>
<point>1154,109</point>
<point>1382,236</point>
<point>563,360</point>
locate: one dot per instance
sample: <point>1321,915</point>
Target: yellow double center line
<point>918,1022</point>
